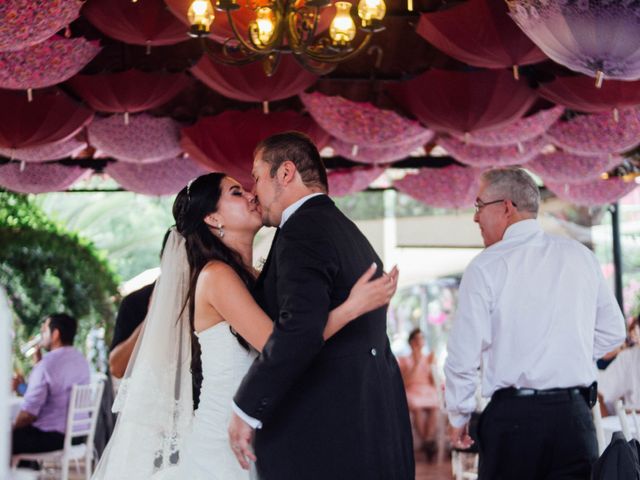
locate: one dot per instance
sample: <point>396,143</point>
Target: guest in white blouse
<point>535,312</point>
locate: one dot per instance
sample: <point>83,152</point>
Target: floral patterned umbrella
<point>596,37</point>
<point>39,177</point>
<point>45,153</point>
<point>448,187</point>
<point>24,23</point>
<point>144,22</point>
<point>598,192</point>
<point>479,33</point>
<point>563,167</point>
<point>378,155</point>
<point>145,139</point>
<point>521,130</point>
<point>505,155</point>
<point>130,91</point>
<point>464,102</point>
<point>161,178</point>
<point>361,124</point>
<point>598,133</point>
<point>48,63</point>
<point>580,94</point>
<point>225,142</point>
<point>51,117</point>
<point>351,180</point>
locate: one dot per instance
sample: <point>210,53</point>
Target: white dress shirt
<point>621,379</point>
<point>286,213</point>
<point>535,312</point>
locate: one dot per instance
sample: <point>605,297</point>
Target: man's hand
<point>240,439</point>
<point>459,437</point>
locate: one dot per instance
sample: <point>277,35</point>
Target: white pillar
<point>390,229</point>
<point>5,384</point>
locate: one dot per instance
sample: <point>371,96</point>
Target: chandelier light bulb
<point>265,26</point>
<point>201,17</point>
<point>370,11</point>
<point>343,28</point>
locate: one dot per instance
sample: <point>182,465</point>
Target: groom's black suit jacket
<point>334,410</point>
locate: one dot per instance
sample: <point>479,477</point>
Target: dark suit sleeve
<point>307,266</point>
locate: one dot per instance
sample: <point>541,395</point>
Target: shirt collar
<point>291,209</point>
<point>523,227</point>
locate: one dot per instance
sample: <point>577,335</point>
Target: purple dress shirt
<point>49,388</point>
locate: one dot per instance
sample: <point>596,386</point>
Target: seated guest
<point>41,423</point>
<point>422,395</point>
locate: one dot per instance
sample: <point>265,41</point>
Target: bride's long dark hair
<point>191,206</point>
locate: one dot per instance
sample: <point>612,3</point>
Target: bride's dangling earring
<point>220,231</point>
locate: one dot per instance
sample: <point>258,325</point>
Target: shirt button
<point>374,352</point>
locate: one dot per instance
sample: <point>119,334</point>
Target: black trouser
<point>538,438</point>
<point>30,439</point>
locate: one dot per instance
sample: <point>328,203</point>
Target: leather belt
<point>530,392</point>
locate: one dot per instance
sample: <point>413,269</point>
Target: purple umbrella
<point>505,155</point>
<point>45,153</point>
<point>351,180</point>
<point>39,177</point>
<point>598,192</point>
<point>378,155</point>
<point>563,167</point>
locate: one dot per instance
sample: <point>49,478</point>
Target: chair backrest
<point>597,423</point>
<point>83,412</point>
<point>623,411</point>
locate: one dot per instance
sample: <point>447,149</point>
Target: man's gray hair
<point>513,184</point>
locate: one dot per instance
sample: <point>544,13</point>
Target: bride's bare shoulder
<point>216,272</point>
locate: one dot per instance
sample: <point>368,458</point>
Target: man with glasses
<point>534,314</point>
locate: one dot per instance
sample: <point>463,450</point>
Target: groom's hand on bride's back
<point>240,440</point>
<point>369,294</point>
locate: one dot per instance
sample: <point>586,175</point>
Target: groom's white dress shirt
<point>535,312</point>
<point>286,214</point>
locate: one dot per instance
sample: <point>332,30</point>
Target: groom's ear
<point>287,172</point>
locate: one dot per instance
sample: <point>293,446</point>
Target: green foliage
<point>46,269</point>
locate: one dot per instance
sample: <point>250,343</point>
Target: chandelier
<point>290,26</point>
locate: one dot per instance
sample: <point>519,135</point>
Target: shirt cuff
<point>458,420</point>
<point>252,422</point>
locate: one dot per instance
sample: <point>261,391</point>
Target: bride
<point>202,332</point>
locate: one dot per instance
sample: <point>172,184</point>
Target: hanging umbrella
<point>249,83</point>
<point>598,133</point>
<point>225,142</point>
<point>378,155</point>
<point>45,64</point>
<point>594,193</point>
<point>597,37</point>
<point>144,139</point>
<point>47,152</point>
<point>480,33</point>
<point>464,102</point>
<point>521,130</point>
<point>362,124</point>
<point>145,22</point>
<point>563,167</point>
<point>24,23</point>
<point>130,91</point>
<point>39,177</point>
<point>505,155</point>
<point>580,94</point>
<point>352,180</point>
<point>448,187</point>
<point>50,117</point>
<point>165,177</point>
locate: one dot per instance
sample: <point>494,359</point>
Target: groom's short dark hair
<point>299,149</point>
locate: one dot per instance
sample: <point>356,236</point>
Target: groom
<point>334,410</point>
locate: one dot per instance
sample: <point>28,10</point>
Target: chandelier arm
<point>327,58</point>
<point>298,43</point>
<point>248,46</point>
<point>322,69</point>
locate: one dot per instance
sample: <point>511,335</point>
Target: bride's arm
<point>227,293</point>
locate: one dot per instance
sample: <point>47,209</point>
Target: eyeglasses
<point>479,204</point>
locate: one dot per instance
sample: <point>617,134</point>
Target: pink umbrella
<point>362,124</point>
<point>47,152</point>
<point>521,130</point>
<point>464,102</point>
<point>131,91</point>
<point>377,155</point>
<point>562,167</point>
<point>579,93</point>
<point>48,63</point>
<point>145,22</point>
<point>597,133</point>
<point>479,33</point>
<point>351,180</point>
<point>225,142</point>
<point>24,23</point>
<point>598,192</point>
<point>51,117</point>
<point>448,187</point>
<point>505,155</point>
<point>597,38</point>
<point>161,178</point>
<point>249,83</point>
<point>144,139</point>
<point>39,177</point>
